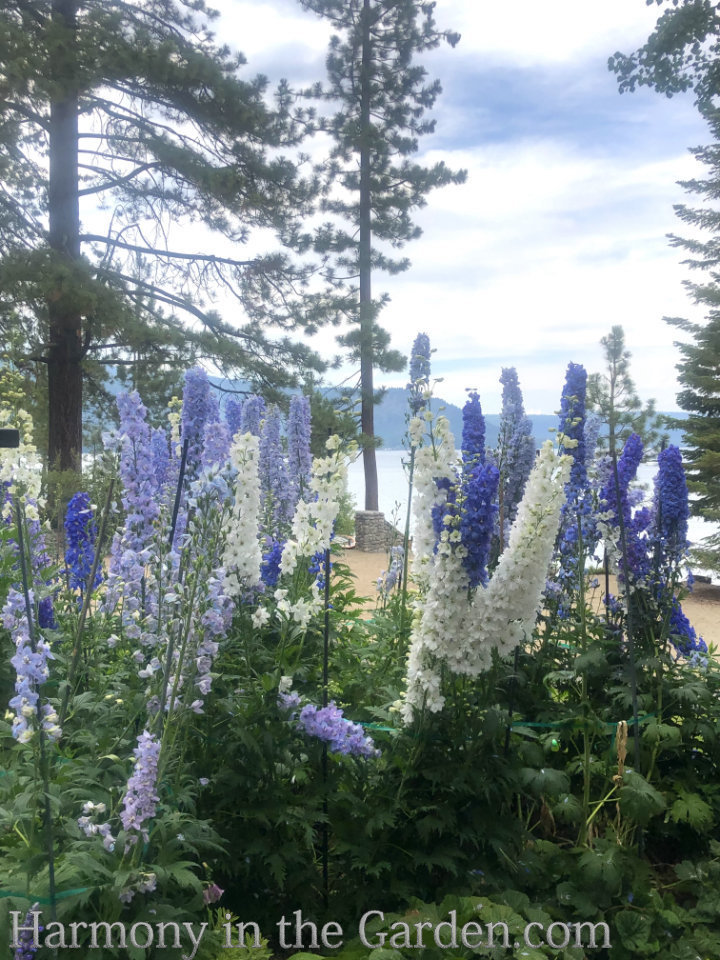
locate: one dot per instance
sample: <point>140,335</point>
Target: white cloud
<point>527,32</point>
<point>554,238</point>
<point>539,254</point>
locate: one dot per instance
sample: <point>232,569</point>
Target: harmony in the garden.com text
<point>297,933</point>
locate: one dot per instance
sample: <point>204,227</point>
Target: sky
<point>560,231</point>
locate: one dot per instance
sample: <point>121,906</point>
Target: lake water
<point>393,489</point>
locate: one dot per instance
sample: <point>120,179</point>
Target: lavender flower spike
<point>140,797</point>
<point>274,480</point>
<point>233,414</point>
<point>31,666</point>
<point>516,447</point>
<point>253,412</point>
<point>199,408</point>
<point>299,455</point>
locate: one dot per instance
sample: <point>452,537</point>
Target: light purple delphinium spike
<point>199,408</point>
<point>160,447</point>
<point>299,455</point>
<point>142,499</point>
<point>31,668</point>
<point>233,415</point>
<point>329,725</point>
<point>140,798</point>
<point>274,481</point>
<point>137,472</point>
<point>216,447</point>
<point>253,412</point>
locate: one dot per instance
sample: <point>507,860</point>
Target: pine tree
<point>131,105</point>
<point>613,398</point>
<point>699,374</point>
<point>384,95</point>
<point>682,54</point>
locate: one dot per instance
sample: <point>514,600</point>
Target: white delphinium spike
<point>20,467</point>
<point>504,614</point>
<point>243,554</point>
<point>460,628</point>
<point>438,630</point>
<point>313,522</point>
<point>437,460</point>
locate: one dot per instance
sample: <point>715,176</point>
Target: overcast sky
<point>560,230</point>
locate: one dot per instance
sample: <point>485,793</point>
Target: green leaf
<point>545,781</point>
<point>639,800</point>
<point>633,930</point>
<point>601,868</point>
<point>691,807</point>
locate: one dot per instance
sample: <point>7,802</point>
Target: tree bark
<point>65,389</point>
<point>367,410</point>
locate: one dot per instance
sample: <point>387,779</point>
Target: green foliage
<point>613,398</point>
<point>681,55</point>
<point>334,413</point>
<point>528,793</point>
<point>383,95</point>
<point>133,107</point>
<point>699,374</point>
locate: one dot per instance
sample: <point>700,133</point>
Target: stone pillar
<point>370,531</point>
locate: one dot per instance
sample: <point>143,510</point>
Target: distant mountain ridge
<point>390,422</point>
<point>391,413</point>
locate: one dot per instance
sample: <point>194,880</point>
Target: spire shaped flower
<point>419,373</point>
<point>80,536</point>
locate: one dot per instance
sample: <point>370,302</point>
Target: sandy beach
<point>702,607</point>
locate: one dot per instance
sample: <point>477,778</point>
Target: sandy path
<point>702,607</point>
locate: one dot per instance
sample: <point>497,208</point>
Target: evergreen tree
<point>614,399</point>
<point>130,106</point>
<point>383,95</point>
<point>682,54</point>
<point>699,374</point>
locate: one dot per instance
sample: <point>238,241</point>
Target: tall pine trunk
<point>367,410</point>
<point>65,392</point>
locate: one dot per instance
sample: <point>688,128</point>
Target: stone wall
<point>373,533</point>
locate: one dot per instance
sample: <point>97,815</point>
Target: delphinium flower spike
<point>140,800</point>
<point>199,408</point>
<point>419,383</point>
<point>516,449</point>
<point>253,413</point>
<point>80,536</point>
<point>299,455</point>
<point>278,498</point>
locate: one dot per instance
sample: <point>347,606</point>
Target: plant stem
<point>44,772</point>
<point>178,491</point>
<point>77,648</point>
<point>406,543</point>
